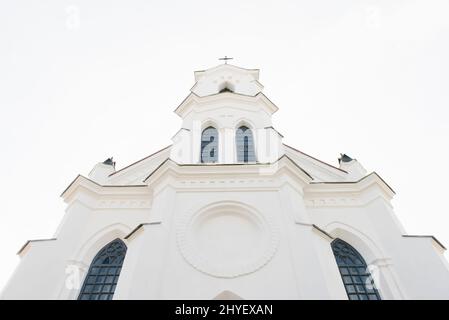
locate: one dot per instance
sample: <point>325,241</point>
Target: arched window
<point>104,272</point>
<point>356,277</point>
<point>209,145</point>
<point>245,145</point>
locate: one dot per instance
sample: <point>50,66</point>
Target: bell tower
<point>226,100</point>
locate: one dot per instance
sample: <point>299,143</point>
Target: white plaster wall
<point>295,271</point>
<point>40,272</point>
<point>408,268</point>
<point>46,266</point>
<point>290,219</point>
<point>302,266</point>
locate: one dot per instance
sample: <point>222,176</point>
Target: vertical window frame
<point>240,153</point>
<point>102,277</point>
<point>204,143</point>
<point>354,272</point>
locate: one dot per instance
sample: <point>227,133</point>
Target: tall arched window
<point>209,145</point>
<point>356,277</point>
<point>245,145</point>
<point>104,272</point>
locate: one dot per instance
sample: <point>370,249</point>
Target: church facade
<point>230,212</point>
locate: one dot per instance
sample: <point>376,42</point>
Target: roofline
<point>193,94</point>
<point>226,64</point>
<point>101,185</point>
<point>389,187</point>
<point>30,241</point>
<point>314,226</point>
<point>294,163</point>
<point>71,183</point>
<point>425,236</point>
<point>157,168</point>
<point>132,164</point>
<point>260,85</point>
<point>179,132</point>
<point>228,165</point>
<point>271,127</point>
<point>322,231</point>
<point>269,100</point>
<point>356,181</point>
<point>227,92</point>
<point>138,227</point>
<point>316,159</point>
<point>184,100</point>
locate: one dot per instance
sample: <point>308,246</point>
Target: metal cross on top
<point>225,59</point>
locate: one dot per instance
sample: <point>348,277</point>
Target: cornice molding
<point>336,189</point>
<point>140,228</point>
<point>28,243</point>
<point>217,176</point>
<point>193,99</point>
<point>432,238</point>
<point>81,183</point>
<point>253,72</point>
<point>124,169</point>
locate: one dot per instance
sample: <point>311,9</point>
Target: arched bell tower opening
<point>209,145</point>
<point>226,86</point>
<point>244,145</point>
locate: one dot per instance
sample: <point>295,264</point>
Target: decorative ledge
<point>31,241</point>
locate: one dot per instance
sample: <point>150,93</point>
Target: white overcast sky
<point>84,80</point>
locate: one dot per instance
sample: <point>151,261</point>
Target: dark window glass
<point>245,145</point>
<point>209,145</point>
<point>98,283</point>
<point>354,272</point>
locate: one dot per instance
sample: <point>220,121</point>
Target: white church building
<point>230,212</point>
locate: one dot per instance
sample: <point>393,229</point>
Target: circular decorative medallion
<point>227,240</point>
